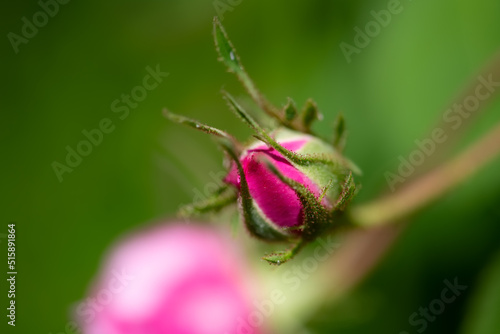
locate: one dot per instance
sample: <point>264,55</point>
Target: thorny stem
<point>429,186</point>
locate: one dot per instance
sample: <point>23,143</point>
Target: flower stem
<point>429,186</point>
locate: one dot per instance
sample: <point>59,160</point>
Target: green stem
<point>429,186</point>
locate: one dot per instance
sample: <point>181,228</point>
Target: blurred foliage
<point>66,77</point>
<point>483,311</point>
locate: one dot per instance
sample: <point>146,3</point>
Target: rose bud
<point>277,203</point>
<point>290,184</point>
<point>169,279</point>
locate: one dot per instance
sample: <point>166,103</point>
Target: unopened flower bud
<point>290,184</point>
<point>277,202</point>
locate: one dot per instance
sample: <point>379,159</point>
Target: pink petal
<point>178,279</point>
<point>276,199</point>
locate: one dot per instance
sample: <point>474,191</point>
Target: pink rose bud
<point>290,184</point>
<point>278,203</point>
<point>169,279</point>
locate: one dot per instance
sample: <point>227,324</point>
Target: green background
<point>64,80</point>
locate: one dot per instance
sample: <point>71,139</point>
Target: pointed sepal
<point>340,133</point>
<point>310,113</point>
<point>347,194</point>
<point>230,58</point>
<point>290,111</point>
<point>256,224</point>
<point>280,257</point>
<point>202,127</point>
<point>316,216</point>
<point>261,134</point>
<point>215,202</point>
<point>194,124</point>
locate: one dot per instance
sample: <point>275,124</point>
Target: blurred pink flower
<point>172,278</point>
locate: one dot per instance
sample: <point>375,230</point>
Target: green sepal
<point>348,164</point>
<point>202,127</point>
<point>255,223</point>
<point>219,199</point>
<point>280,257</point>
<point>325,190</point>
<point>195,124</point>
<point>310,113</point>
<point>299,159</point>
<point>241,113</point>
<point>316,216</point>
<point>290,110</point>
<point>230,58</point>
<point>226,50</point>
<point>340,133</point>
<point>347,194</point>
